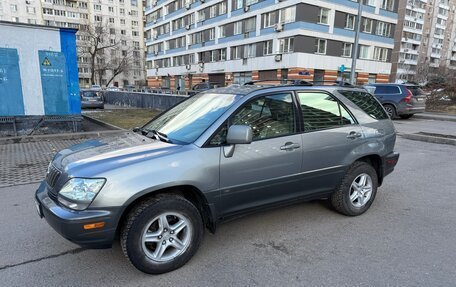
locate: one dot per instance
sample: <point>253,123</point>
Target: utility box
<point>39,88</point>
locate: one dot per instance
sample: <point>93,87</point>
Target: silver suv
<point>217,155</point>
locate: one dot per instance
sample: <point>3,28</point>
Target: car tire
<point>350,198</point>
<point>406,116</point>
<point>390,110</point>
<point>148,229</point>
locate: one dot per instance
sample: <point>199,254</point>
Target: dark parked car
<point>403,100</point>
<point>91,99</point>
<point>204,86</point>
<point>215,156</point>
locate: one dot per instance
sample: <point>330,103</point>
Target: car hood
<point>95,156</point>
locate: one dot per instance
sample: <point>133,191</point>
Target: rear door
<point>329,141</point>
<point>388,94</point>
<point>267,170</point>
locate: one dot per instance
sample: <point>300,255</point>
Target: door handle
<point>354,135</point>
<point>290,146</point>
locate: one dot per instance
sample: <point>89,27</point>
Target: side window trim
<point>340,104</point>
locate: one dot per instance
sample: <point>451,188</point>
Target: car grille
<point>52,176</point>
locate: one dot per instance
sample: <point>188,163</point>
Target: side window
<point>268,116</point>
<point>322,111</point>
<point>387,90</point>
<point>367,103</point>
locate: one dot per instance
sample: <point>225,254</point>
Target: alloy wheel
<point>361,190</point>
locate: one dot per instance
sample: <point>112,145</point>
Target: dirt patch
<point>124,118</point>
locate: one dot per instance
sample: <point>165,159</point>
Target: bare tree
<point>102,45</point>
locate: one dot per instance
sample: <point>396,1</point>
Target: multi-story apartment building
<point>425,39</point>
<point>124,19</point>
<point>234,41</point>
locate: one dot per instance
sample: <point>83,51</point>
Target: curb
<point>429,139</point>
<point>66,136</point>
<point>102,123</point>
<point>437,118</point>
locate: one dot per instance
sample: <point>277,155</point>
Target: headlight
<point>78,193</point>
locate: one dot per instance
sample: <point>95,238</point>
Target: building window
<point>98,18</point>
<point>288,15</point>
<point>111,20</point>
<point>383,29</point>
<point>350,22</point>
<point>239,4</point>
<point>380,54</point>
<point>267,47</point>
<point>222,32</point>
<point>347,49</point>
<point>238,28</point>
<point>222,8</point>
<point>270,19</point>
<point>236,52</point>
<point>13,8</point>
<point>321,46</point>
<point>363,52</point>
<point>250,24</point>
<point>212,34</point>
<point>31,10</point>
<point>323,16</point>
<point>213,11</point>
<point>122,21</point>
<point>96,7</point>
<point>111,9</point>
<point>286,45</point>
<point>122,11</point>
<point>366,26</point>
<point>388,5</point>
<point>250,51</point>
<point>201,15</point>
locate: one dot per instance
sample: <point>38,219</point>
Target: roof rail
<point>337,82</point>
<point>291,82</point>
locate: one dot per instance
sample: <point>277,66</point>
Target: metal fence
<point>142,100</point>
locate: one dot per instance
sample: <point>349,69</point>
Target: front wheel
<point>161,234</point>
<point>357,190</point>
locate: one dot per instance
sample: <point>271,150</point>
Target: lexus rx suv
<point>215,156</point>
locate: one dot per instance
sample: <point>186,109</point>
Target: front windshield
<point>188,120</point>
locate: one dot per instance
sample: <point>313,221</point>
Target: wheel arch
<point>189,192</point>
<point>376,162</point>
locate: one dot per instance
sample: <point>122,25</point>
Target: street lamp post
<point>356,44</point>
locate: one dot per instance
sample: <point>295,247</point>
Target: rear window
<point>367,103</point>
<point>89,94</point>
<point>416,90</point>
<point>387,90</point>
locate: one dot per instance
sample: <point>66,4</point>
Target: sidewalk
<point>436,116</point>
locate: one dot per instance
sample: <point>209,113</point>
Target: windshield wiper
<point>158,135</point>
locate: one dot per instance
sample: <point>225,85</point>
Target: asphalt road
<point>407,238</point>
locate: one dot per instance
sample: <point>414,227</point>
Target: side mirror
<point>239,134</point>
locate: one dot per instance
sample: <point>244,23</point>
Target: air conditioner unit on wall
<point>246,8</point>
<point>188,27</point>
<point>279,27</point>
<point>278,57</point>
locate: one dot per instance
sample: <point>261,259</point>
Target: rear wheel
<point>357,190</point>
<point>161,234</point>
<point>406,116</point>
<point>390,110</point>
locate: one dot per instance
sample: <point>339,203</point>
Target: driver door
<point>266,170</point>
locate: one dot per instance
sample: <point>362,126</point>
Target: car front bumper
<point>70,223</point>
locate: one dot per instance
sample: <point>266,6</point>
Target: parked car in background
<point>204,86</point>
<point>96,88</point>
<point>113,89</point>
<point>91,99</point>
<point>215,156</point>
<point>403,100</point>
